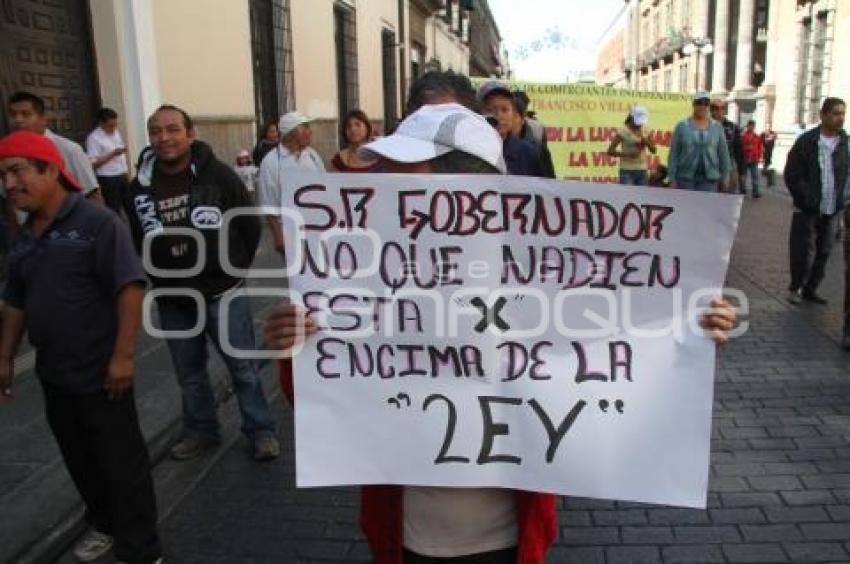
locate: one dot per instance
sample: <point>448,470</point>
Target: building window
<point>668,24</point>
<point>417,60</point>
<point>345,35</point>
<point>455,22</point>
<point>760,46</point>
<point>282,21</point>
<point>683,78</point>
<point>817,78</point>
<point>448,11</point>
<point>668,79</point>
<point>732,43</point>
<point>803,68</point>
<point>388,68</point>
<point>271,51</point>
<point>685,15</point>
<point>655,82</point>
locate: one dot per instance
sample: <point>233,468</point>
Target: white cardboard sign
<point>502,331</point>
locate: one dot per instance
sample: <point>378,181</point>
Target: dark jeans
<point>811,241</point>
<point>113,189</point>
<point>506,556</point>
<point>107,458</point>
<point>753,171</point>
<point>190,362</point>
<point>770,176</point>
<point>633,177</point>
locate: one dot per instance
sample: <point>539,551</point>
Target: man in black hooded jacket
<point>177,205</point>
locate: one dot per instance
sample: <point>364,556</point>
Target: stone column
<point>721,38</point>
<point>744,62</point>
<point>768,87</point>
<point>628,36</point>
<point>134,84</point>
<point>772,61</point>
<point>634,41</point>
<point>699,18</point>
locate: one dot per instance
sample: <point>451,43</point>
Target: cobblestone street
<point>780,471</point>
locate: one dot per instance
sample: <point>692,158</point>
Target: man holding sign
<point>416,521</point>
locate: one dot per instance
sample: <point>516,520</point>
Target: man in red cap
<point>84,334</point>
<point>27,112</point>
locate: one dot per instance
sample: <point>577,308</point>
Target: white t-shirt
<point>76,161</point>
<point>826,146</point>
<point>447,522</point>
<point>100,143</point>
<point>830,142</point>
<point>278,160</point>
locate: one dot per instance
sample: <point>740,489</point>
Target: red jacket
<point>752,146</point>
<point>382,514</point>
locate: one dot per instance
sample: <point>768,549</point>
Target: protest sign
<point>582,119</point>
<point>505,331</point>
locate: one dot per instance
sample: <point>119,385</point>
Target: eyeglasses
<point>716,107</point>
<point>700,102</point>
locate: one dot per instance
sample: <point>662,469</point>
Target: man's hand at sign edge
<point>719,320</point>
<point>286,326</point>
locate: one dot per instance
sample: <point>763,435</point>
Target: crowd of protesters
<point>710,153</point>
<point>61,230</point>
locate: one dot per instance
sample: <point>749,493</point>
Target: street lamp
<point>699,46</point>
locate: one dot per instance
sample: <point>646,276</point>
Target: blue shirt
<point>66,282</point>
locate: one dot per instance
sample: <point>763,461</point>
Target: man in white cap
<point>293,153</point>
<point>425,137</point>
<point>415,524</point>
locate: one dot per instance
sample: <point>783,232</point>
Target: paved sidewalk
<point>780,468</point>
<point>40,510</point>
<point>761,256</point>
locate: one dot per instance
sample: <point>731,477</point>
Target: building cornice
<point>429,7</point>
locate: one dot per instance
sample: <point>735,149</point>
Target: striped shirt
<point>826,146</point>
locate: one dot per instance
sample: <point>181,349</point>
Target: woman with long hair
<point>356,129</point>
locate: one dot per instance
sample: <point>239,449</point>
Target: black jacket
<point>534,132</point>
<point>215,189</point>
<point>521,157</point>
<point>803,174</point>
<point>733,141</point>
